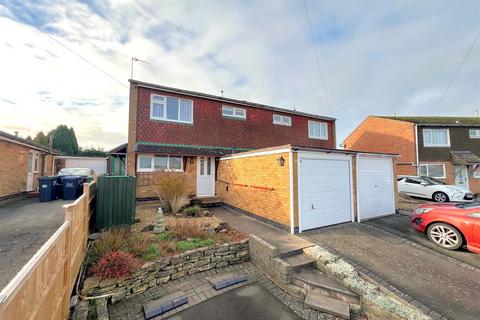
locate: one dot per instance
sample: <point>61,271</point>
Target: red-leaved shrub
<point>115,265</point>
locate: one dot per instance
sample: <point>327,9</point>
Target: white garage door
<point>375,187</point>
<point>97,164</point>
<point>325,192</point>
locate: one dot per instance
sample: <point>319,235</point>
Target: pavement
<point>444,285</point>
<point>281,239</point>
<point>250,302</point>
<point>25,225</point>
<point>256,298</point>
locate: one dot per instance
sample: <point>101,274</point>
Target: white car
<point>433,189</point>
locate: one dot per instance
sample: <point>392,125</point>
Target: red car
<point>450,225</point>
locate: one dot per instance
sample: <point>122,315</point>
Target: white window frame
<point>476,174</point>
<point>475,135</point>
<point>234,115</point>
<point>164,117</point>
<point>311,122</point>
<point>152,163</point>
<point>430,145</point>
<point>428,171</point>
<point>282,119</point>
<point>35,162</point>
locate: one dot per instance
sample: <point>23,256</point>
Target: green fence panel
<point>116,201</point>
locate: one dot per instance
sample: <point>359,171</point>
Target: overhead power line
<point>458,70</point>
<point>315,51</point>
<point>75,53</point>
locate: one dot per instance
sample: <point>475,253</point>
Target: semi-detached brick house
<point>189,131</point>
<point>21,163</point>
<point>447,148</point>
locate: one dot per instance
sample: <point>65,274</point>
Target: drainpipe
<point>292,216</point>
<point>416,149</point>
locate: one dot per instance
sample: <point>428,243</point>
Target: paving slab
<point>284,241</point>
<point>325,304</point>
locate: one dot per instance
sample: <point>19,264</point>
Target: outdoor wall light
<point>190,160</point>
<point>281,161</point>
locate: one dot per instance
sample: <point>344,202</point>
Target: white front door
<point>375,187</point>
<point>325,190</point>
<point>31,169</point>
<point>205,176</point>
<point>461,176</point>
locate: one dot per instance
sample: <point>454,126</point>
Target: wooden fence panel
<point>42,288</point>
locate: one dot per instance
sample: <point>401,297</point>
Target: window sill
<point>172,121</point>
<point>436,146</point>
<point>234,118</point>
<point>318,138</point>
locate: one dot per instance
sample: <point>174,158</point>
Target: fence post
<point>68,262</point>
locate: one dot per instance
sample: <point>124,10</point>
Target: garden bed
<point>167,268</point>
<point>125,261</point>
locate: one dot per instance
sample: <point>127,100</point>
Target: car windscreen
<point>74,172</point>
<point>433,181</point>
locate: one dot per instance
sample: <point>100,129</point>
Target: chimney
<point>16,133</point>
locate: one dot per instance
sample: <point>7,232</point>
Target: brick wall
<point>147,181</point>
<point>257,185</point>
<point>132,131</point>
<point>377,134</point>
<point>210,128</point>
<point>14,168</point>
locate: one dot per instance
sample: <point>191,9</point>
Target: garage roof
<point>288,147</point>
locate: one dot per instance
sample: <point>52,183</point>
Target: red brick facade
<point>377,134</point>
<point>210,128</point>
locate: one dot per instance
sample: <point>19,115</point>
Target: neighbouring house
<point>21,163</point>
<point>186,131</point>
<point>446,148</point>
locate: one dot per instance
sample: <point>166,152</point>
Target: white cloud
<point>376,58</point>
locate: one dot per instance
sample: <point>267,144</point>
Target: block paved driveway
<point>447,286</point>
<point>25,225</point>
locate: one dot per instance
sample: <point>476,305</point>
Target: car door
<point>414,187</point>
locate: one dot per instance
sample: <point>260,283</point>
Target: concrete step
<point>290,252</point>
<point>329,305</point>
<point>312,280</point>
<point>299,261</point>
<point>207,201</point>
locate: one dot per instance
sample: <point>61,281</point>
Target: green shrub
<point>193,210</point>
<point>173,190</point>
<point>165,236</point>
<point>193,244</point>
<point>152,252</point>
<point>115,239</point>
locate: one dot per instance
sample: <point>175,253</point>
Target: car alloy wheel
<point>445,236</point>
<point>440,197</point>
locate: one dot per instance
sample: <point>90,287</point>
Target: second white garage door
<point>324,190</point>
<point>375,187</point>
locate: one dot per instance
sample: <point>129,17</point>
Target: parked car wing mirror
<point>424,184</point>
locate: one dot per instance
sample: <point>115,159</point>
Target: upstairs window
<point>233,112</point>
<point>474,133</point>
<point>317,130</point>
<point>282,120</point>
<point>436,138</point>
<point>171,109</point>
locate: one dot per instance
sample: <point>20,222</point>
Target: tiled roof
<point>464,158</point>
<point>228,100</point>
<point>28,142</point>
<point>453,121</point>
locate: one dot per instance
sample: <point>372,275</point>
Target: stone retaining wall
<point>169,268</point>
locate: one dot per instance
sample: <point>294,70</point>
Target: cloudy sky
<point>65,62</point>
